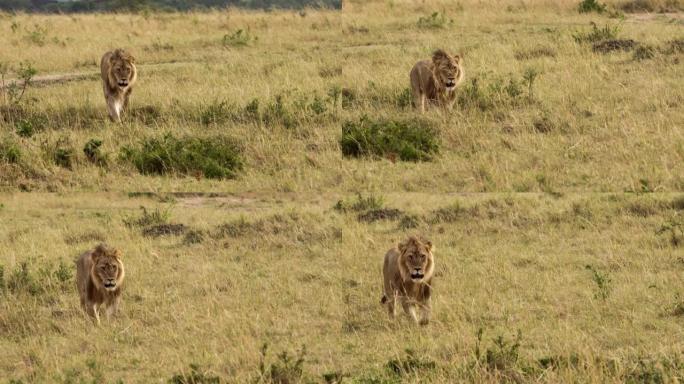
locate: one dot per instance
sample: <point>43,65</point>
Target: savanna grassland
<point>271,158</point>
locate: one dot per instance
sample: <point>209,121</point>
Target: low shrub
<point>597,34</point>
<point>93,153</point>
<point>239,38</point>
<point>195,376</point>
<point>9,151</point>
<point>217,157</point>
<point>409,140</point>
<point>434,21</point>
<point>586,6</point>
<point>361,203</point>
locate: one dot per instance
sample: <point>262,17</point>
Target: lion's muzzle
<point>417,274</point>
<point>451,84</point>
<point>123,83</point>
<point>110,284</point>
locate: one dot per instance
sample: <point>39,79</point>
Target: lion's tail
<point>384,299</point>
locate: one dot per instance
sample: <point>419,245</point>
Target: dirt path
<point>56,78</point>
<point>60,78</point>
<point>646,17</point>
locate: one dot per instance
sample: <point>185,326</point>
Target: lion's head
<point>416,262</point>
<point>122,70</point>
<point>448,70</point>
<point>107,271</point>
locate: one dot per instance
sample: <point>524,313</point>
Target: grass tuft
<point>596,34</point>
<point>195,376</point>
<point>436,20</point>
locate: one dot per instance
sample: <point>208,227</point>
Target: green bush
<point>499,92</point>
<point>9,151</point>
<point>344,97</point>
<point>287,369</point>
<point>30,125</point>
<point>644,52</point>
<point>217,157</point>
<point>361,204</point>
<point>409,140</point>
<point>93,153</point>
<point>216,113</point>
<point>149,218</point>
<point>60,152</point>
<point>434,21</point>
<point>64,156</point>
<point>410,364</point>
<point>24,280</point>
<point>195,376</point>
<point>239,38</point>
<point>587,6</point>
<point>597,34</point>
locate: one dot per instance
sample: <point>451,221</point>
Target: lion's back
<point>83,265</point>
<point>420,75</point>
<point>104,66</point>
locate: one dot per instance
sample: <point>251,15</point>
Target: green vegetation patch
<point>216,157</point>
<point>407,140</point>
<point>587,6</point>
<point>9,151</point>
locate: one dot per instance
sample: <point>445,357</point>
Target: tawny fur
<point>118,77</point>
<point>94,269</point>
<point>435,81</point>
<point>411,256</point>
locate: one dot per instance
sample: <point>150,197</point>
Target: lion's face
<point>416,260</point>
<point>122,72</point>
<point>107,268</point>
<point>122,68</point>
<point>447,69</point>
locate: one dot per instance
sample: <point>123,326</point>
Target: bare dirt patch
<point>380,214</point>
<point>608,46</point>
<point>164,230</point>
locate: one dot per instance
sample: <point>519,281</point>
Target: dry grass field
<point>553,194</point>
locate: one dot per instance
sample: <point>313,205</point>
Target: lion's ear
<point>118,254</point>
<point>429,245</point>
<point>402,246</point>
<point>439,55</point>
<point>99,251</point>
<point>458,58</point>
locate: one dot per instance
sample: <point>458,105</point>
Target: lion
<point>435,81</point>
<point>99,279</point>
<point>118,77</point>
<point>408,270</point>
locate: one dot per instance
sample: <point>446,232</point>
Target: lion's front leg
<point>126,96</point>
<point>419,101</point>
<point>92,311</point>
<point>409,308</point>
<point>114,109</point>
<point>425,312</point>
<point>391,305</point>
<point>113,309</point>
